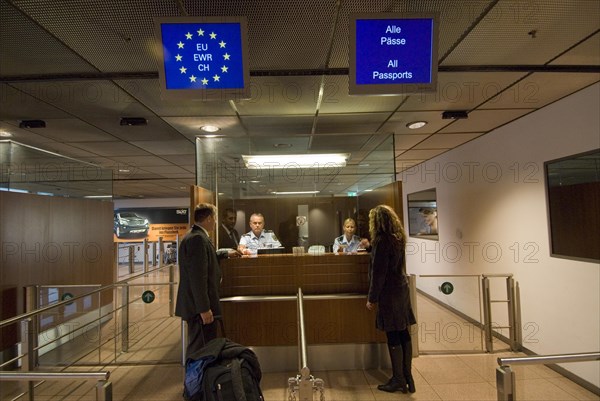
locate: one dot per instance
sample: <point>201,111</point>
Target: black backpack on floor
<point>223,371</point>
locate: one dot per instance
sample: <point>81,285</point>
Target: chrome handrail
<point>121,283</point>
<point>27,376</point>
<point>546,359</point>
<point>274,298</point>
<point>103,386</point>
<point>505,377</point>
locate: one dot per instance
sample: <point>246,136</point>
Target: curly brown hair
<point>383,221</point>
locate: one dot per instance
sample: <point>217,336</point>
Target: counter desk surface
<point>268,323</point>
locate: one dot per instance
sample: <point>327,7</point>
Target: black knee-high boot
<point>398,381</point>
<point>407,366</point>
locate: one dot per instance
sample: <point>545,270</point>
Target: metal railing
<point>304,384</point>
<point>512,303</point>
<point>29,333</point>
<point>103,386</point>
<point>153,254</point>
<point>485,308</point>
<point>505,377</point>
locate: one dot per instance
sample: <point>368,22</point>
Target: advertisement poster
<point>137,224</point>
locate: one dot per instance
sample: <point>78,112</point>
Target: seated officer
<point>258,237</point>
<point>349,242</point>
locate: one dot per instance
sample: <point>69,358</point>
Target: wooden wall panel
<point>52,240</point>
<point>265,323</point>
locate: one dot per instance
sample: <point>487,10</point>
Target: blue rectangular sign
<point>203,56</point>
<point>392,53</point>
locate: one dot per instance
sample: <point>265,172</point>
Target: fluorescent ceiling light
<point>296,193</point>
<point>98,196</point>
<point>296,161</point>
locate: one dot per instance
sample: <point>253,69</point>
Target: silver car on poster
<point>130,224</point>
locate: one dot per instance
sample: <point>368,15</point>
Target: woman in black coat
<point>389,291</point>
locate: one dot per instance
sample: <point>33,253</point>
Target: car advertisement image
<point>131,225</point>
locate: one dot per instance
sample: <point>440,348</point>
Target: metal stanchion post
<point>505,383</point>
<point>131,259</point>
<point>104,390</point>
<point>27,344</point>
<point>32,298</point>
<point>145,247</point>
<point>154,254</point>
<point>487,314</point>
<point>161,252</point>
<point>171,290</point>
<point>510,285</point>
<point>184,342</point>
<point>177,249</point>
<point>125,319</point>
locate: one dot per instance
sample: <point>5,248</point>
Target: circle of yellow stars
<point>204,80</point>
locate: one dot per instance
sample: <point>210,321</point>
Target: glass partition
<point>441,328</point>
<point>24,168</point>
<point>304,201</point>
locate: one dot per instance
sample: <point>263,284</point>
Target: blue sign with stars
<point>203,54</point>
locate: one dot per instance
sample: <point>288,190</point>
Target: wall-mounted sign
<point>66,296</point>
<point>148,297</point>
<point>203,57</point>
<point>393,53</point>
<point>447,288</point>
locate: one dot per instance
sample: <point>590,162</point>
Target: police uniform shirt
<point>267,239</point>
<point>351,246</point>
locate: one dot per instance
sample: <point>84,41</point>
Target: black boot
<point>397,381</point>
<point>407,362</point>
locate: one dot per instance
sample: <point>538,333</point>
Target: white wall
<point>493,219</point>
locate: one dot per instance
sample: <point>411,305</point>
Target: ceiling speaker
<point>133,121</point>
<point>32,124</point>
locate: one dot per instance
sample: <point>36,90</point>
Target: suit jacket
<point>225,241</point>
<point>199,276</point>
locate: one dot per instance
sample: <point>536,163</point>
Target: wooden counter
<point>267,323</point>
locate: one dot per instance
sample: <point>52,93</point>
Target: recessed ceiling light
<point>416,124</point>
<point>5,134</point>
<point>209,128</point>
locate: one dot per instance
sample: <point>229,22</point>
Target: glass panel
<point>440,327</point>
<point>303,205</point>
<point>24,168</point>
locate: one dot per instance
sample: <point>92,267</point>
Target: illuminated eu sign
<point>392,53</point>
<point>203,57</point>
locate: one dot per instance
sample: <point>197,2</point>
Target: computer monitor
<point>271,251</point>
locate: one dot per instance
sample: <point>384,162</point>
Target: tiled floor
<point>459,374</point>
<point>448,377</point>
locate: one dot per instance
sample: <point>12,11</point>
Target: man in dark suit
<point>228,235</point>
<point>199,279</point>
